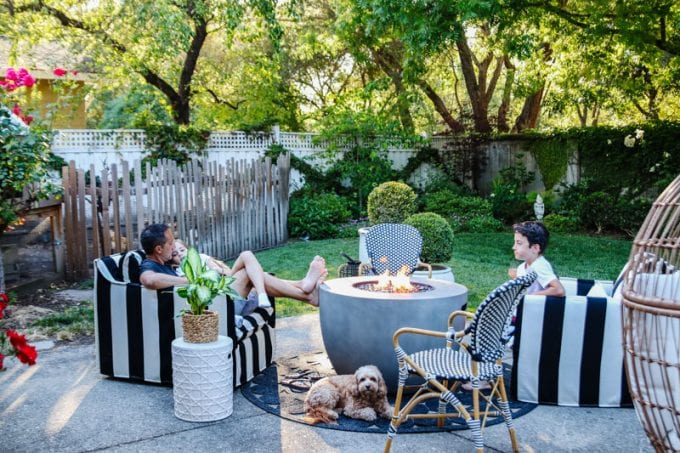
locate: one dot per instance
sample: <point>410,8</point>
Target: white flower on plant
<point>609,141</point>
<point>629,141</point>
<point>666,154</point>
<point>639,134</point>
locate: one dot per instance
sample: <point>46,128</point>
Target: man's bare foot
<point>316,268</point>
<point>314,295</point>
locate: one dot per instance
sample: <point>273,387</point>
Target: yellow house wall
<point>70,115</point>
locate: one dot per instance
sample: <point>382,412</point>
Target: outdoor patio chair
<point>393,245</point>
<point>482,346</point>
<point>135,326</point>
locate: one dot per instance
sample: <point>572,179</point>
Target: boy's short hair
<point>152,236</point>
<point>535,232</point>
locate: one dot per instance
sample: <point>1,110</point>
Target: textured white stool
<point>202,379</point>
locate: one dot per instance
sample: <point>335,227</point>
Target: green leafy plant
<point>437,236</point>
<point>204,284</point>
<point>317,216</point>
<point>391,202</point>
<point>483,224</point>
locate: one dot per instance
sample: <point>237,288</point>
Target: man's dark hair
<point>152,236</point>
<point>535,232</point>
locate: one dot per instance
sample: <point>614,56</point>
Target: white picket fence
<point>103,147</point>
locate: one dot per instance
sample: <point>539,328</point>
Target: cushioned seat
<point>135,326</point>
<point>568,350</point>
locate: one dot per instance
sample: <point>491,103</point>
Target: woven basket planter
<point>651,321</point>
<point>202,328</point>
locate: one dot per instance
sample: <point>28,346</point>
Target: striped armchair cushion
<point>567,350</point>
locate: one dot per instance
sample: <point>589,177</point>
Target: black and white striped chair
<point>135,326</point>
<point>445,369</point>
<point>392,245</point>
<point>568,350</point>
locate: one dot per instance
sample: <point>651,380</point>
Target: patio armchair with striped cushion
<point>135,326</point>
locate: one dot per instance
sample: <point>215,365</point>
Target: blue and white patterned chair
<point>135,326</point>
<point>392,245</point>
<point>445,369</point>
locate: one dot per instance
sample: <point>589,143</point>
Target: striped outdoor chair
<point>445,369</point>
<point>135,326</point>
<point>393,245</point>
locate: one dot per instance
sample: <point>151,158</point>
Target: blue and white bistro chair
<point>478,359</point>
<point>393,245</point>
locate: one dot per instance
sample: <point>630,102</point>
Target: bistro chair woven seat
<point>393,245</point>
<point>478,358</point>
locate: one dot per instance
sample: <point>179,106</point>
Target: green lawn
<point>480,261</point>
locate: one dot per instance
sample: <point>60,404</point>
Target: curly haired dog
<point>361,395</point>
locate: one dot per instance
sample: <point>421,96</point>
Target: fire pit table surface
<point>357,324</point>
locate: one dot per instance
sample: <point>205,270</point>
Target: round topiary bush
<point>391,202</point>
<point>437,236</point>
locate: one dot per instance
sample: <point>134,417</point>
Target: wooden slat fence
<point>222,209</point>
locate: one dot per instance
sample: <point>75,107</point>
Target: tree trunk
<point>440,107</point>
<point>502,122</point>
<point>391,66</point>
<point>531,110</point>
<point>528,118</point>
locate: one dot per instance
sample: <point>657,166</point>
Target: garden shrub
<point>317,215</point>
<point>437,236</point>
<point>508,200</point>
<point>560,223</point>
<point>391,202</point>
<point>458,209</point>
<point>598,211</point>
<point>483,224</point>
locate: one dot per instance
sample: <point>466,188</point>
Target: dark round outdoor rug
<point>281,390</point>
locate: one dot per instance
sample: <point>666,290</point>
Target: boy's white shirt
<point>544,270</point>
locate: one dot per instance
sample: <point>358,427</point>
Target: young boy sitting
<point>531,240</point>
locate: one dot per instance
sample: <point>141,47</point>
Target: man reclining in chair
<point>156,271</point>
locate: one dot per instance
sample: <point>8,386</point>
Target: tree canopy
<point>431,65</point>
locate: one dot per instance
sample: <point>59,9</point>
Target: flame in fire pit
<point>399,283</point>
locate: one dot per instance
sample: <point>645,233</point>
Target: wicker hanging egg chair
<point>651,321</point>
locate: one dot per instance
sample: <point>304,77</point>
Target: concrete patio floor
<point>63,404</point>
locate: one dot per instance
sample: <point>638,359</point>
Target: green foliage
<point>552,156</point>
<point>437,236</point>
<point>204,284</point>
<point>644,168</point>
<point>74,320</point>
<point>317,215</point>
<point>601,211</point>
<point>458,209</point>
<point>25,159</point>
<point>483,224</point>
<point>175,142</point>
<point>559,223</point>
<point>391,202</point>
<point>508,200</point>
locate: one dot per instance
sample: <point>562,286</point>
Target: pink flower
<point>28,119</point>
<point>60,72</point>
<point>28,81</point>
<point>11,74</point>
<point>2,359</point>
<point>74,72</point>
<point>16,110</point>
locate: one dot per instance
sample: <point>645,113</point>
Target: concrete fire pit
<point>357,325</point>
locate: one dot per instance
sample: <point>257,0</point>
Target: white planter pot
<point>363,253</point>
<point>439,272</point>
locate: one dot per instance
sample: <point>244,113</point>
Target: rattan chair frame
<point>651,321</point>
<point>443,390</point>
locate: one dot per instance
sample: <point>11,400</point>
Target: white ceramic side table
<point>202,379</point>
